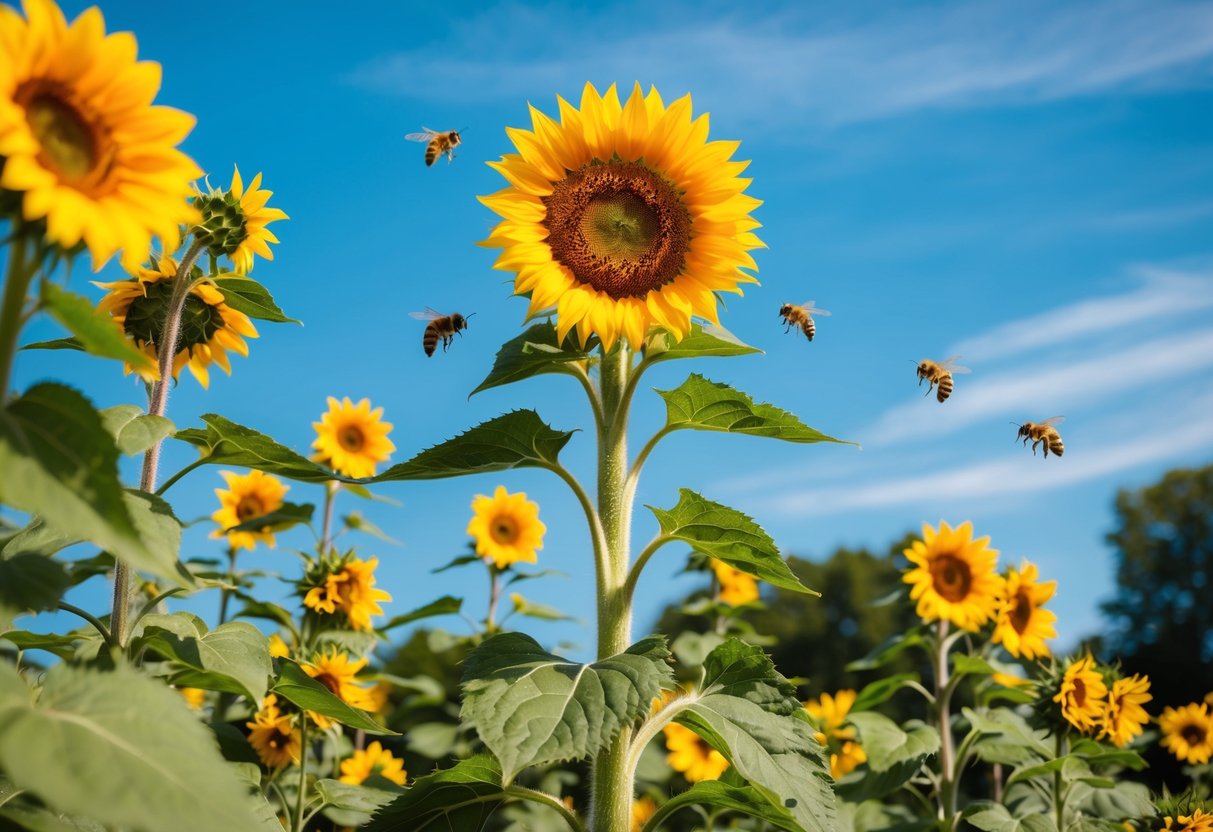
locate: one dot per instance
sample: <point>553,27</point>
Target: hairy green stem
<point>545,799</point>
<point>90,618</point>
<point>943,693</point>
<point>490,618</point>
<point>225,593</point>
<point>16,285</point>
<point>629,587</point>
<point>171,481</point>
<point>1059,797</point>
<point>326,532</point>
<point>299,798</point>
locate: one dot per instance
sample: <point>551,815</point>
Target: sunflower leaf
<point>532,353</point>
<point>280,519</point>
<point>462,797</point>
<point>223,442</point>
<point>727,535</point>
<point>296,686</point>
<point>531,707</point>
<point>95,331</point>
<point>246,295</point>
<point>236,650</point>
<point>518,439</point>
<point>133,430</point>
<point>119,748</point>
<point>888,744</point>
<point>744,799</point>
<point>700,404</point>
<point>446,605</point>
<point>704,340</point>
<point>30,582</point>
<point>56,344</point>
<point>994,817</point>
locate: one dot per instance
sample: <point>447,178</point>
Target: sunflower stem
<point>299,798</point>
<point>943,693</point>
<point>225,593</point>
<point>490,618</point>
<point>1059,797</point>
<point>16,285</point>
<point>326,531</point>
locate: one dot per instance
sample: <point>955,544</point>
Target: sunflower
<point>333,669</point>
<point>194,697</point>
<point>623,217</point>
<point>736,587</point>
<point>80,140</point>
<point>234,222</point>
<point>691,755</point>
<point>1198,821</point>
<point>955,577</point>
<point>209,327</point>
<point>1187,732</point>
<point>829,713</point>
<point>273,735</point>
<point>1123,715</point>
<point>1082,694</point>
<point>248,497</point>
<point>352,438</point>
<point>278,647</point>
<point>375,759</point>
<point>350,588</point>
<point>1022,625</point>
<point>506,527</point>
<point>643,808</point>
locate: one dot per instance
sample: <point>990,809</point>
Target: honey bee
<point>437,144</point>
<point>801,316</point>
<point>439,327</point>
<point>939,373</point>
<point>1043,433</point>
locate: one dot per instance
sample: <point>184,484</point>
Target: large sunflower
<point>506,527</point>
<point>955,576</point>
<point>691,755</point>
<point>1023,625</point>
<point>1082,695</point>
<point>1124,716</point>
<point>352,438</point>
<point>1187,732</point>
<point>623,217</point>
<point>348,587</point>
<point>80,140</point>
<point>247,497</point>
<point>209,327</point>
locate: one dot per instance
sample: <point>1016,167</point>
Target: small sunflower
<point>955,577</point>
<point>1187,732</point>
<point>209,327</point>
<point>506,527</point>
<point>334,669</point>
<point>1124,716</point>
<point>80,139</point>
<point>274,736</point>
<point>278,647</point>
<point>234,222</point>
<point>247,497</point>
<point>374,759</point>
<point>350,589</point>
<point>194,697</point>
<point>736,587</point>
<point>829,713</point>
<point>643,808</point>
<point>352,438</point>
<point>1082,695</point>
<point>691,755</point>
<point>1022,624</point>
<point>623,216</point>
<point>1198,821</point>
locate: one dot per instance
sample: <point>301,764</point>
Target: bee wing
<point>422,137</point>
<point>813,310</point>
<point>428,315</point>
<point>1054,420</point>
<point>951,366</point>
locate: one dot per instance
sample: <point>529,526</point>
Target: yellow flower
<point>375,759</point>
<point>1008,680</point>
<point>194,697</point>
<point>1187,732</point>
<point>623,217</point>
<point>643,808</point>
<point>1022,625</point>
<point>1124,715</point>
<point>1198,821</point>
<point>506,527</point>
<point>350,589</point>
<point>209,327</point>
<point>849,757</point>
<point>273,735</point>
<point>691,755</point>
<point>736,587</point>
<point>80,140</point>
<point>379,698</point>
<point>333,669</point>
<point>829,713</point>
<point>278,648</point>
<point>248,497</point>
<point>955,577</point>
<point>255,238</point>
<point>352,438</point>
<point>1082,695</point>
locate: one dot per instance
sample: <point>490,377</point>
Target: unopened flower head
<point>233,222</point>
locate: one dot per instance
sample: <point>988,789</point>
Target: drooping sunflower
<point>348,587</point>
<point>234,222</point>
<point>352,438</point>
<point>374,759</point>
<point>691,755</point>
<point>1082,694</point>
<point>274,735</point>
<point>1022,624</point>
<point>1198,821</point>
<point>955,577</point>
<point>830,713</point>
<point>1187,732</point>
<point>506,527</point>
<point>736,587</point>
<point>209,327</point>
<point>623,217</point>
<point>247,497</point>
<point>643,808</point>
<point>80,140</point>
<point>1123,715</point>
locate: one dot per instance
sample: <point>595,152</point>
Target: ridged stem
<point>16,285</point>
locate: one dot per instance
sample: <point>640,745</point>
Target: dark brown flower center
<point>68,143</point>
<point>951,578</point>
<point>503,529</point>
<point>1021,611</point>
<point>1080,692</point>
<point>249,507</point>
<point>618,227</point>
<point>329,681</point>
<point>351,438</point>
<point>1193,734</point>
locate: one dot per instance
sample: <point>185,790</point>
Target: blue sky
<point>1029,185</point>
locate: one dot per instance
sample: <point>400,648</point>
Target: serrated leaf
<point>296,686</point>
<point>37,538</point>
<point>353,798</point>
<point>700,404</point>
<point>531,707</point>
<point>888,650</point>
<point>459,798</point>
<point>994,817</point>
<point>118,747</point>
<point>280,519</point>
<point>223,442</point>
<point>727,535</point>
<point>236,650</point>
<point>1005,737</point>
<point>63,646</point>
<point>133,430</point>
<point>446,605</point>
<point>704,340</point>
<point>30,583</point>
<point>519,439</point>
<point>244,294</point>
<point>718,795</point>
<point>532,353</point>
<point>887,744</point>
<point>95,331</point>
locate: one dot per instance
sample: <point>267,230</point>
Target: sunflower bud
<point>222,227</point>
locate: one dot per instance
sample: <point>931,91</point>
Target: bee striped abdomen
<point>430,340</point>
<point>431,153</point>
<point>1054,443</point>
<point>945,387</point>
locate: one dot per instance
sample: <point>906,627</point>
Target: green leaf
<point>120,748</point>
<point>964,663</point>
<point>37,538</point>
<point>161,533</point>
<point>1098,755</point>
<point>532,353</point>
<point>531,707</point>
<point>246,295</point>
<point>446,605</point>
<point>885,652</point>
<point>223,442</point>
<point>133,430</point>
<point>881,690</point>
<point>37,819</point>
<point>96,331</point>
<point>727,535</point>
<point>296,686</point>
<point>459,560</point>
<point>56,344</point>
<point>699,404</point>
<point>30,583</point>
<point>531,609</point>
<point>519,439</point>
<point>713,793</point>
<point>704,340</point>
<point>352,798</point>
<point>1126,800</point>
<point>887,744</point>
<point>994,817</point>
<point>236,650</point>
<point>460,798</point>
<point>1005,737</point>
<point>280,519</point>
<point>63,646</point>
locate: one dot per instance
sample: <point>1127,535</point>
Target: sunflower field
<point>291,703</point>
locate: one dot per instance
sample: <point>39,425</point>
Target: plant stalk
<point>943,693</point>
<point>16,285</point>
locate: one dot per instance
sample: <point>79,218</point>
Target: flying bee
<point>939,373</point>
<point>1043,433</point>
<point>437,144</point>
<point>440,326</point>
<point>801,316</point>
